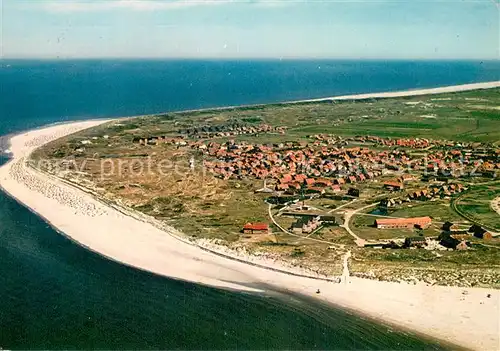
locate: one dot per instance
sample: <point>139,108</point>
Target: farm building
<point>252,228</point>
<point>480,232</point>
<point>393,223</point>
<point>306,225</point>
<point>416,241</point>
<point>449,227</point>
<point>353,192</point>
<point>328,219</point>
<point>393,186</point>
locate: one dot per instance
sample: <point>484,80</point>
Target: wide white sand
<point>470,320</point>
<point>416,92</point>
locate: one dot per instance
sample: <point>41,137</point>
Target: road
<point>495,204</point>
<point>344,205</point>
<point>296,235</point>
<point>345,273</point>
<point>347,219</point>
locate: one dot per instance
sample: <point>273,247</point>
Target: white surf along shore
<point>471,320</point>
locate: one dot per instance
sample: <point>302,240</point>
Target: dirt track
<point>495,204</point>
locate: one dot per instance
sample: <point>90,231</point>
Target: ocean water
<point>56,295</point>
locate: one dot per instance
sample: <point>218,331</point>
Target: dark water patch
<point>380,211</point>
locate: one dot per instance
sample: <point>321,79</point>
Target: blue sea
<point>56,295</point>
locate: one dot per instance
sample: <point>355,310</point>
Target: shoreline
<point>350,97</point>
<point>355,97</point>
<point>468,320</point>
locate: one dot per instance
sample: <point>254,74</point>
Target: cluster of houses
<point>328,156</point>
<point>413,143</point>
<point>209,132</point>
<point>330,139</point>
<point>432,192</point>
<point>441,191</point>
<point>452,237</point>
<point>230,130</point>
<point>307,224</point>
<point>417,143</point>
<point>447,158</point>
<point>292,169</point>
<point>158,140</point>
<point>456,232</point>
<point>459,162</point>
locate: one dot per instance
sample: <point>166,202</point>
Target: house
<point>406,177</point>
<point>454,241</point>
<point>306,225</point>
<point>353,192</point>
<point>393,186</point>
<point>328,219</point>
<point>409,223</point>
<point>459,235</point>
<point>321,182</point>
<point>461,246</point>
<point>448,227</point>
<point>310,181</point>
<point>480,233</point>
<point>315,190</point>
<point>336,188</point>
<point>416,241</point>
<point>448,241</point>
<point>297,226</point>
<point>383,204</point>
<point>311,225</point>
<point>259,228</point>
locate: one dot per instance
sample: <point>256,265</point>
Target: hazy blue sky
<point>243,28</point>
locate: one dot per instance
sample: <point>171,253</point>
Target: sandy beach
<point>417,92</point>
<point>465,317</point>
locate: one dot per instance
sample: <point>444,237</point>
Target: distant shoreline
<point>352,97</point>
<point>456,318</point>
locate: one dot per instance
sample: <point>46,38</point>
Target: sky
<point>344,29</point>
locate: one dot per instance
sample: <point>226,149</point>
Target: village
<point>379,173</point>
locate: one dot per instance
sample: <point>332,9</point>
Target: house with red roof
<point>256,228</point>
<point>409,223</point>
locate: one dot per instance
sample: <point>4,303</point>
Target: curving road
<point>495,205</point>
<point>347,219</point>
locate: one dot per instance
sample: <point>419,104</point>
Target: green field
<point>476,205</point>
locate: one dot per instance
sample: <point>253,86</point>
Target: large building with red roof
<point>393,223</point>
<point>252,228</point>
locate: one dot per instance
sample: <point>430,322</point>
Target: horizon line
<point>248,58</point>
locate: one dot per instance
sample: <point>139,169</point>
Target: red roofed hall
<point>392,223</point>
<point>251,228</point>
